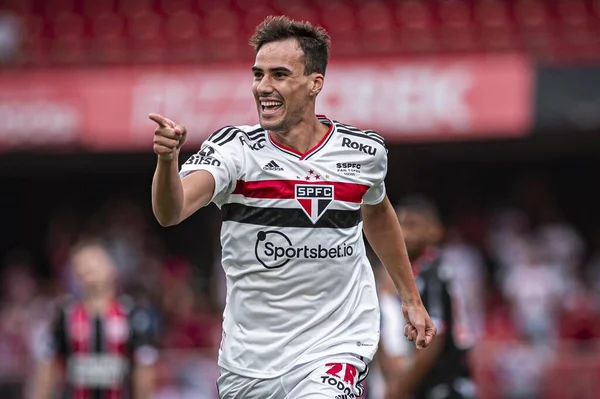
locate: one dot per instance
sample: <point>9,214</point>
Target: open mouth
<point>270,107</point>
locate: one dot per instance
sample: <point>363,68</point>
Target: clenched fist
<point>168,137</point>
<point>419,326</point>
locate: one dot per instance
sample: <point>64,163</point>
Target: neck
<point>304,136</point>
<point>99,301</point>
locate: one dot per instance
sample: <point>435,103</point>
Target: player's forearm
<point>143,381</point>
<point>167,193</point>
<point>43,381</point>
<point>382,229</point>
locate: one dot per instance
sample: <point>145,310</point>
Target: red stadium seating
<point>107,44</point>
<point>495,29</point>
<point>173,31</point>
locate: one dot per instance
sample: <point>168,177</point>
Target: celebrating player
<point>296,192</point>
<point>102,346</point>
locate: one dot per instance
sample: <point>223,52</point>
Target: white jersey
<point>299,285</point>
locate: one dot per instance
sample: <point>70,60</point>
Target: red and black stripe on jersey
<point>92,348</point>
<point>292,217</point>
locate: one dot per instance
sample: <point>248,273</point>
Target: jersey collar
<point>308,154</point>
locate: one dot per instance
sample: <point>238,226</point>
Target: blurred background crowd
<point>515,183</point>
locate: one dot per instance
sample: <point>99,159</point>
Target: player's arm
<point>383,232</point>
<point>144,376</point>
<point>44,379</point>
<point>173,198</point>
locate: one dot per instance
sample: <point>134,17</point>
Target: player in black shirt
<point>440,371</point>
<point>99,345</point>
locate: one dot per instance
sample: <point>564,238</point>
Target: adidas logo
<point>272,166</point>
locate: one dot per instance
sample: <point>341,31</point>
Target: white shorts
<point>336,377</point>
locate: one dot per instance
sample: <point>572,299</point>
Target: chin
<point>273,126</point>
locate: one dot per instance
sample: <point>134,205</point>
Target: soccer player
<point>296,192</point>
<point>100,345</point>
<point>442,370</point>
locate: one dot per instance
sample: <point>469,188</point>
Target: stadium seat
<point>128,8</point>
<point>172,7</point>
<point>548,29</point>
<point>146,37</point>
<point>575,21</point>
<point>93,8</point>
<point>222,35</point>
<point>52,9</point>
<point>456,32</point>
<point>494,26</point>
<point>108,44</point>
<point>378,37</point>
<point>24,7</point>
<point>246,6</point>
<point>182,31</point>
<point>535,24</point>
<point>416,23</point>
<point>298,11</point>
<point>35,41</point>
<point>255,16</point>
<point>343,28</point>
<point>68,44</point>
<point>206,6</point>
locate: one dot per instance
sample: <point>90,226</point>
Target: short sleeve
<point>223,161</point>
<point>376,175</point>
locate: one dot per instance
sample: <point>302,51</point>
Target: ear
<point>316,86</point>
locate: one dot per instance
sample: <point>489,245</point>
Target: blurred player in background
<point>441,371</point>
<point>99,345</point>
<point>296,191</point>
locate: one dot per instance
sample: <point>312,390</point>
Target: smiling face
<point>284,95</point>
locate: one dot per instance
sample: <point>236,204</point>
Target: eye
<point>279,75</point>
<point>258,75</point>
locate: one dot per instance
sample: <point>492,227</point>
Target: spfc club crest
<point>314,199</point>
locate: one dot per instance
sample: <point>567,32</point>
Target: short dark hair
<point>421,204</point>
<point>86,241</point>
<point>314,40</point>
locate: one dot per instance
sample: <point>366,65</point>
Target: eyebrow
<point>272,70</point>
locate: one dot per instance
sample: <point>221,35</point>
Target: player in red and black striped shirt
<point>101,345</point>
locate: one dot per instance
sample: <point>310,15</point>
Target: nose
<point>264,86</point>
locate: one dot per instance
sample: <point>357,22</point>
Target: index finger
<point>161,120</point>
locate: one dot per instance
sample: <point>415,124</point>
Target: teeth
<point>270,103</point>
